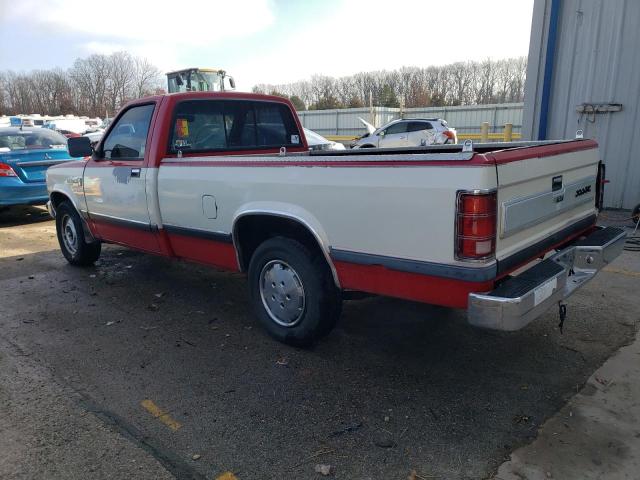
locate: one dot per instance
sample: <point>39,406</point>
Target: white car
<point>318,142</point>
<point>408,132</point>
<point>95,136</point>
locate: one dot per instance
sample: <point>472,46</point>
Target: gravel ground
<point>161,360</point>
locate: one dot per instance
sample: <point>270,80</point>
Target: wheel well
<point>251,230</point>
<point>57,198</point>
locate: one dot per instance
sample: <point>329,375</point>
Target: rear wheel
<point>293,292</point>
<point>71,237</point>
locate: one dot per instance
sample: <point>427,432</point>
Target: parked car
<point>25,155</point>
<point>408,132</point>
<point>95,136</point>
<point>76,125</point>
<point>68,133</point>
<point>318,142</point>
<point>227,179</point>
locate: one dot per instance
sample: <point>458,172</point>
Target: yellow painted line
<point>622,272</point>
<point>491,136</point>
<point>227,476</point>
<point>339,138</point>
<point>160,414</point>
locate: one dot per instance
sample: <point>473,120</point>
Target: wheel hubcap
<point>69,235</point>
<point>282,293</point>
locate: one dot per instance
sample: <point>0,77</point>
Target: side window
<point>128,138</point>
<point>214,125</point>
<point>419,126</point>
<point>400,127</point>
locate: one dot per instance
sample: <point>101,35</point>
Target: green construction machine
<point>199,80</point>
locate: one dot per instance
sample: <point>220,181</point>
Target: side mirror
<point>79,147</point>
<point>232,83</point>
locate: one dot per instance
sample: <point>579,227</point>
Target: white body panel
<point>405,212</point>
<point>112,192</point>
<point>529,180</point>
<point>66,179</point>
<point>393,140</point>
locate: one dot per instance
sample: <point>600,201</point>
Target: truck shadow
<point>400,384</point>
<point>22,215</point>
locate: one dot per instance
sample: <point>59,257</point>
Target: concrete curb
<point>595,436</point>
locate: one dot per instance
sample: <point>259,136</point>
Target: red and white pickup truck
<point>227,179</point>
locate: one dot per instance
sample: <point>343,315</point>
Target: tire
<point>293,292</point>
<point>71,237</point>
<point>635,214</point>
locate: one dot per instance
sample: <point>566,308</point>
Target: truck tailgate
<point>545,193</point>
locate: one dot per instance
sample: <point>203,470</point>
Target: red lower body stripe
<point>218,254</point>
<point>377,279</point>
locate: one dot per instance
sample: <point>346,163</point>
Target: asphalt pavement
<point>151,367</point>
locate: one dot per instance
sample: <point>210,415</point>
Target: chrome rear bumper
<point>521,299</point>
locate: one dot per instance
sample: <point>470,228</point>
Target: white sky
<point>265,41</point>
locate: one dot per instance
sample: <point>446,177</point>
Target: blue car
<point>25,155</point>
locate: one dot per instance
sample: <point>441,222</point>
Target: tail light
<point>476,225</point>
<point>450,135</point>
<point>6,171</point>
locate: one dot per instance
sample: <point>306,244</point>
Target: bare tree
<point>146,78</point>
<point>92,86</point>
<point>461,83</point>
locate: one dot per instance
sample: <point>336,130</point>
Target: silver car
<point>408,132</point>
<point>318,142</point>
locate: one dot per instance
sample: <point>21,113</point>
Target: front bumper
<point>521,299</point>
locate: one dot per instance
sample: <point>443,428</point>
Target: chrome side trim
<point>121,221</point>
<point>457,272</point>
<point>223,237</point>
<point>315,159</point>
<point>527,211</point>
<point>304,223</point>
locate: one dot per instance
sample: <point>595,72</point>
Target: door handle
<point>135,173</point>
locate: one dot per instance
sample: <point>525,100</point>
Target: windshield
<point>194,81</point>
<point>32,140</point>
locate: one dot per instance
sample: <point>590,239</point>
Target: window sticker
<point>182,127</point>
<point>295,139</point>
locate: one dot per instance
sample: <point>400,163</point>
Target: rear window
<point>218,125</point>
<point>32,139</point>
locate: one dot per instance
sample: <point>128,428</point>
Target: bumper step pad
<point>521,299</point>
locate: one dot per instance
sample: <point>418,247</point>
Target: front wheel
<point>71,237</point>
<point>293,292</point>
